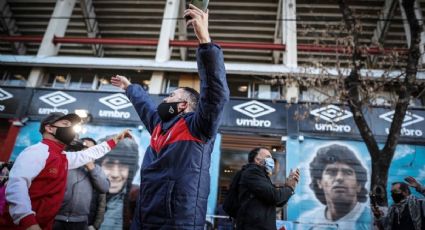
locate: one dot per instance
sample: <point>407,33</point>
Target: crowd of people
<point>68,183</point>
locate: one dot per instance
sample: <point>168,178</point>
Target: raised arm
<point>143,104</point>
<point>80,158</point>
<point>415,184</point>
<point>214,89</point>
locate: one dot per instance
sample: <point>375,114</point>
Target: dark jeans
<point>63,225</point>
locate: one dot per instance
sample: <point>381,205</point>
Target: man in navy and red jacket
<point>175,178</point>
<point>37,181</point>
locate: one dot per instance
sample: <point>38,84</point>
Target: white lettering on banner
<point>51,110</point>
<point>332,114</point>
<point>408,132</point>
<point>2,107</point>
<point>253,122</point>
<point>253,109</point>
<point>114,114</point>
<point>333,128</point>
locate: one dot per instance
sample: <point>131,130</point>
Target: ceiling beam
<point>92,25</point>
<point>9,26</point>
<point>168,29</point>
<point>182,29</point>
<point>289,32</point>
<point>382,26</point>
<point>163,50</point>
<point>278,32</point>
<point>58,24</point>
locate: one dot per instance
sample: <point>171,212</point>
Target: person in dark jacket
<point>406,213</point>
<point>80,184</point>
<point>257,194</point>
<point>175,179</point>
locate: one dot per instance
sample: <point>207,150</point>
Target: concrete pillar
<point>57,27</point>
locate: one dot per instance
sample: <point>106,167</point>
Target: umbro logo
<point>116,101</point>
<point>409,118</point>
<point>331,113</point>
<point>57,99</point>
<point>4,95</point>
<point>254,109</point>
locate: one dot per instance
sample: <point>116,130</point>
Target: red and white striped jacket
<point>37,182</point>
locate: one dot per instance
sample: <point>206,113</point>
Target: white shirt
<point>316,219</point>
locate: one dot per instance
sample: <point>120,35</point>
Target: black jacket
<point>259,199</point>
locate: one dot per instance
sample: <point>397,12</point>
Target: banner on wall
<point>239,114</point>
<point>334,189</point>
<point>337,121</point>
<point>255,116</point>
<point>13,101</point>
<point>102,106</point>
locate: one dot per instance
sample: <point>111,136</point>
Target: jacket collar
<point>165,126</point>
<point>254,165</point>
<point>54,146</point>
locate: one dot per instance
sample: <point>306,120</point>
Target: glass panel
<point>60,81</point>
<point>172,84</point>
<point>263,91</point>
<point>16,80</point>
<point>105,85</point>
<point>239,88</point>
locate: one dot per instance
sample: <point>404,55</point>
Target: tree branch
<point>353,82</point>
<point>409,80</point>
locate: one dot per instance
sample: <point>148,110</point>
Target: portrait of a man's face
<point>120,164</point>
<point>335,187</point>
<point>338,176</point>
<point>339,183</point>
<point>116,172</point>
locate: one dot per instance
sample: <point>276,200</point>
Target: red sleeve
<point>111,143</point>
<point>27,221</point>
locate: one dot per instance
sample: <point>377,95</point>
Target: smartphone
<point>201,4</point>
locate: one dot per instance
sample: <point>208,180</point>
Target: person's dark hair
<point>403,186</point>
<point>126,152</point>
<point>193,96</point>
<point>88,139</point>
<point>336,154</point>
<point>254,152</point>
<point>75,146</point>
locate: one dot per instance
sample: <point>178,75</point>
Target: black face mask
<point>64,134</point>
<point>397,197</point>
<point>167,111</point>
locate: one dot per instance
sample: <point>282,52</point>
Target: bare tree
<point>381,158</point>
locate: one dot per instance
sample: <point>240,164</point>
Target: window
<point>13,79</point>
<point>262,91</point>
<point>105,85</point>
<point>239,88</point>
<point>83,82</point>
<point>61,81</point>
<point>171,84</point>
<point>324,94</point>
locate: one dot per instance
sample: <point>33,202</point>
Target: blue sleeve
<point>144,106</point>
<point>214,91</point>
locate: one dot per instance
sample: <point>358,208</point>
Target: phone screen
<point>201,4</point>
